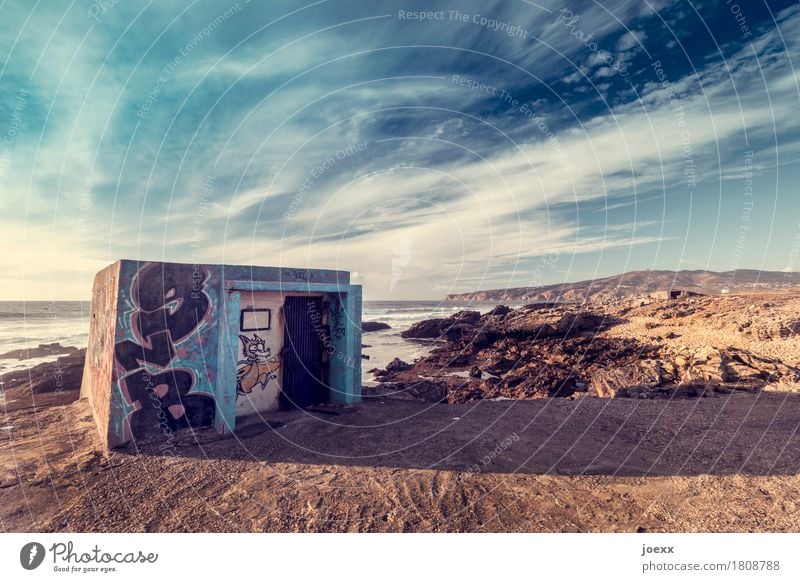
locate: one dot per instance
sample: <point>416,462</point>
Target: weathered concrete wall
<point>167,347</point>
<point>99,367</point>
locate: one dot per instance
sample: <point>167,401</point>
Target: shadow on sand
<point>724,435</point>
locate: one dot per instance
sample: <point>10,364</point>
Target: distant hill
<point>641,283</point>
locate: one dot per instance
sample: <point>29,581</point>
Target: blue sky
<point>485,145</point>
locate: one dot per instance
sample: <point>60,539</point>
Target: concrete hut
<point>178,345</point>
<point>673,294</point>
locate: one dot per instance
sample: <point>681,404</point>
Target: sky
<point>426,147</point>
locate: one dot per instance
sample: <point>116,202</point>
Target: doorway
<point>304,362</point>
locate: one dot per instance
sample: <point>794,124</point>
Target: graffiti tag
<point>170,303</point>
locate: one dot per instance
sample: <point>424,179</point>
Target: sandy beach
<point>719,465</point>
<point>726,461</point>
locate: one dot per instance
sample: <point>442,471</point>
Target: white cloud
<point>458,218</point>
<point>631,40</point>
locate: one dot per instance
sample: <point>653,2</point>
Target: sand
<point>711,464</point>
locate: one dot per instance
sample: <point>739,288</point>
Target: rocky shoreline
<point>637,347</point>
<point>60,380</point>
<point>40,351</point>
<point>397,463</point>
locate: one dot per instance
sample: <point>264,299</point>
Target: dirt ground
<point>726,463</point>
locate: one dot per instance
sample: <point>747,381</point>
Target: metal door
<point>304,333</point>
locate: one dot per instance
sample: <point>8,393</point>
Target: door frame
<point>344,376</point>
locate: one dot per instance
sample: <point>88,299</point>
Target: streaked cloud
<point>334,135</point>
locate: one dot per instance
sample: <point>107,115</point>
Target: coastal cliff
<point>636,283</point>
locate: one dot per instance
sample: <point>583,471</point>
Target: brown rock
<point>485,337</point>
<point>460,332</point>
<point>607,383</point>
<point>429,391</point>
<point>396,365</point>
<point>65,373</point>
<point>428,329</point>
<point>574,323</point>
<point>368,326</point>
<point>469,317</point>
<point>499,311</point>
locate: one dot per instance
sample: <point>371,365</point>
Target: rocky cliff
<point>640,283</point>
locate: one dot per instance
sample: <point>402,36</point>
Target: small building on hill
<point>177,345</point>
<point>672,294</point>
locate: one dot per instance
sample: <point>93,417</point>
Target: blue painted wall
<point>176,342</point>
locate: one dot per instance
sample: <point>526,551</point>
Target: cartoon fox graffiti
<point>258,367</point>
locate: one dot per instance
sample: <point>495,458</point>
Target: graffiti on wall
<point>169,303</point>
<point>299,274</point>
<point>258,367</point>
<point>337,316</point>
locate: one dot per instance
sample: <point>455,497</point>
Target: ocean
<point>28,324</point>
<point>385,345</point>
